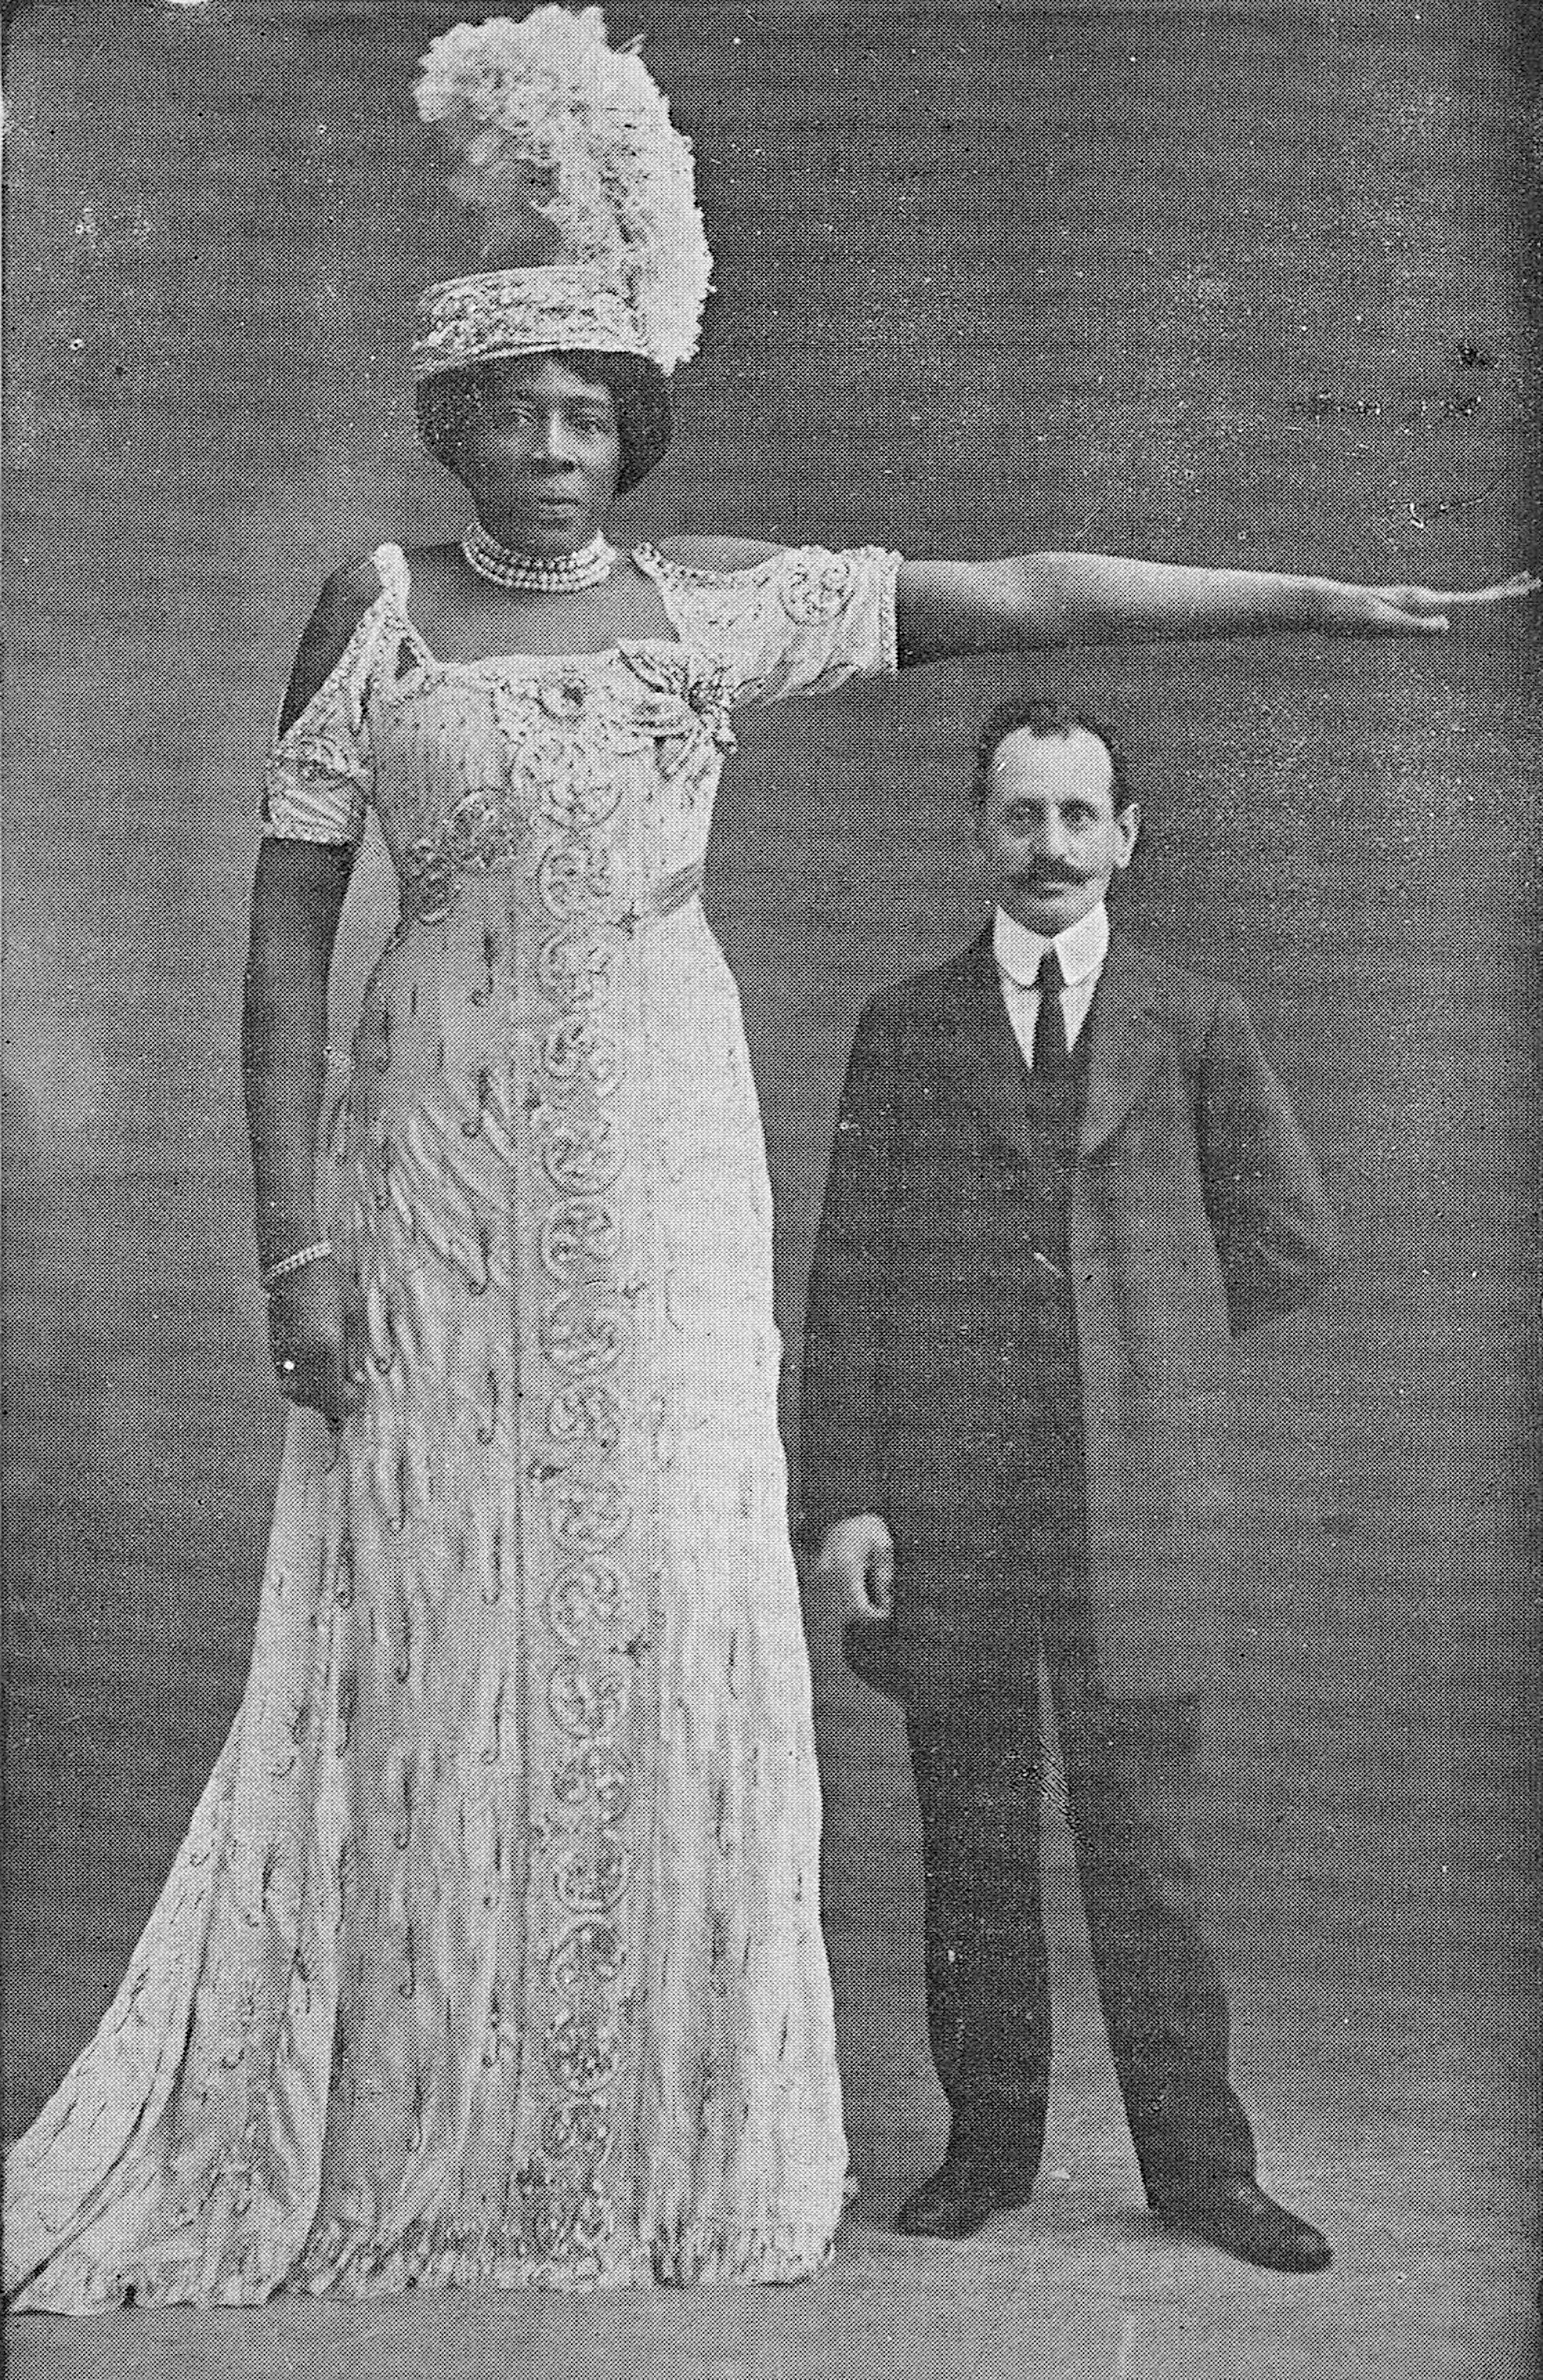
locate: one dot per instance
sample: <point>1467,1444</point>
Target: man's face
<point>1048,828</point>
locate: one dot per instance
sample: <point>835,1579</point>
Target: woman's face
<point>541,456</point>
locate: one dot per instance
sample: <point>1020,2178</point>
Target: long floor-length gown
<point>492,1950</point>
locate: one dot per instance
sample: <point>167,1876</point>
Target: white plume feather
<point>551,121</point>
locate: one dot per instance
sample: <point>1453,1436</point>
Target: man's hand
<point>859,1556</point>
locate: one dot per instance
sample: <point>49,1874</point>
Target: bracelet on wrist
<point>296,1263</point>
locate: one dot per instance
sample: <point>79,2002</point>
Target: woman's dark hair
<point>447,402</point>
<point>1045,718</point>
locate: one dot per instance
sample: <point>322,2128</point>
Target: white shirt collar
<point>1082,948</point>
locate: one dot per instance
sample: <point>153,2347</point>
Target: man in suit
<point>1064,1181</point>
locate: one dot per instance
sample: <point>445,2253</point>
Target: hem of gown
<point>333,2268</point>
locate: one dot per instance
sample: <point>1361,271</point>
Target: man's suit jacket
<point>1194,1214</point>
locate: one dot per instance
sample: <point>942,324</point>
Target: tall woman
<point>492,1953</point>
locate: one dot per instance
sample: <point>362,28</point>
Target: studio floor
<point>1080,2287</point>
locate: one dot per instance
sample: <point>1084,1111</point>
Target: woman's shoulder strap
<point>705,558</point>
<point>391,568</point>
<point>712,589</point>
<point>779,620</point>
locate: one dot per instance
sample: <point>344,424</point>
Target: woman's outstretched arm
<point>945,607</point>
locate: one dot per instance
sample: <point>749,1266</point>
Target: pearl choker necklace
<point>538,574</point>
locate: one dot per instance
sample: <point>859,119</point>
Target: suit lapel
<point>1122,1045</point>
<point>987,1065</point>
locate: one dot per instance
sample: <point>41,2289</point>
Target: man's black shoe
<point>960,2197</point>
<point>1237,2217</point>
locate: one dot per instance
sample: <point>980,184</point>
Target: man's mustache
<point>1045,878</point>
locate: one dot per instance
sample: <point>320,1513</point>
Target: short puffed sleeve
<point>322,772</point>
<point>798,622</point>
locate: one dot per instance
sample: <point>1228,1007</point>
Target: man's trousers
<point>1126,1770</point>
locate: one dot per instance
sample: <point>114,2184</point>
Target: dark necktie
<point>1052,1056</point>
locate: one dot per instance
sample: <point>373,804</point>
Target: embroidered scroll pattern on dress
<point>562,736</point>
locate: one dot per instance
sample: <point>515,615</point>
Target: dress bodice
<point>579,765</point>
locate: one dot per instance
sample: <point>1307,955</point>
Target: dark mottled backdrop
<point>1226,283</point>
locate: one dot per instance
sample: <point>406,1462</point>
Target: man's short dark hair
<point>1045,718</point>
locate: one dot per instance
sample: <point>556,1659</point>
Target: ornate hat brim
<point>525,310</point>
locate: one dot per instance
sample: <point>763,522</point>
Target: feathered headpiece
<point>566,144</point>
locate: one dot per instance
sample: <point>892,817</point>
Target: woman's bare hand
<point>317,1334</point>
<point>1396,610</point>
